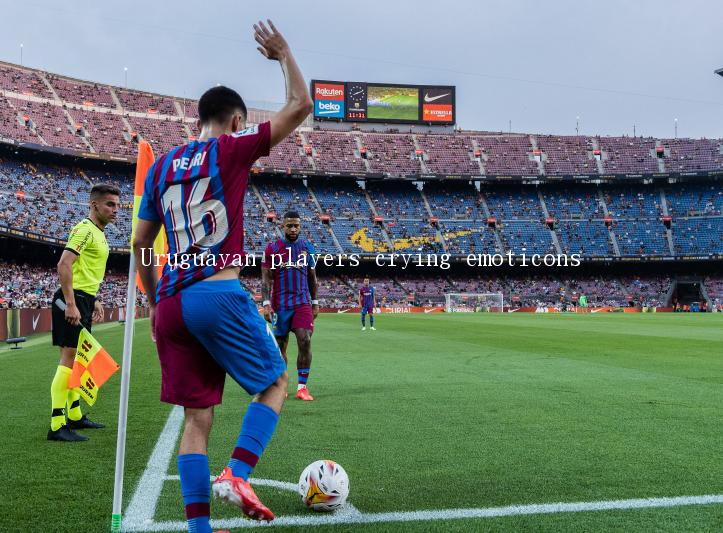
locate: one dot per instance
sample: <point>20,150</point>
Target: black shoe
<point>84,423</point>
<point>65,434</point>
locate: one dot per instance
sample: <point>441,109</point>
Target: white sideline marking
<point>140,512</point>
<point>143,505</point>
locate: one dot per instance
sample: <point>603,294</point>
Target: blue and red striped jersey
<point>290,272</point>
<point>197,190</point>
<point>367,294</point>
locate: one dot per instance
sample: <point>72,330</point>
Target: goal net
<point>471,302</point>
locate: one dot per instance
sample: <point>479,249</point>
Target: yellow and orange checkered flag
<point>92,367</point>
<point>143,165</point>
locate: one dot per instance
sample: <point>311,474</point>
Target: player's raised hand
<point>272,43</point>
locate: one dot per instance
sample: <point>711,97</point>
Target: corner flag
<point>143,165</point>
<point>92,367</point>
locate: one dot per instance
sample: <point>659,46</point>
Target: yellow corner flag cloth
<point>143,165</point>
<point>92,367</point>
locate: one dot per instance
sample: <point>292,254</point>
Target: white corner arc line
<point>141,510</point>
<point>449,514</point>
<point>282,485</point>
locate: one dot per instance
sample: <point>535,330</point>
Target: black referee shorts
<point>64,333</point>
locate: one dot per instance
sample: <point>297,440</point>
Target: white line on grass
<point>140,512</point>
<point>447,514</point>
<point>283,485</point>
<point>142,508</point>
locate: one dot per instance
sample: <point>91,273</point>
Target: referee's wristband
<point>266,302</point>
<point>314,302</point>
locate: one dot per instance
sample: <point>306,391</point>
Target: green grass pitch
<point>401,107</point>
<point>429,412</point>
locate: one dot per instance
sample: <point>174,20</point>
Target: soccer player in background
<point>367,302</point>
<point>204,323</point>
<point>81,270</point>
<point>583,303</point>
<point>288,274</point>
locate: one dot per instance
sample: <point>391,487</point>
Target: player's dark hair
<point>291,214</point>
<point>101,189</point>
<point>218,104</point>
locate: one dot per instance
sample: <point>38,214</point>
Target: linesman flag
<point>92,367</point>
<point>143,165</point>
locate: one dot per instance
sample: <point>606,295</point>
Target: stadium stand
<point>31,286</point>
<point>675,217</point>
<point>78,92</point>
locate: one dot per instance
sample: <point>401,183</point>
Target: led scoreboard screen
<point>354,101</point>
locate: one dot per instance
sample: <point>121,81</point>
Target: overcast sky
<point>539,64</point>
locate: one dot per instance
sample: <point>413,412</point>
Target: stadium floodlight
<point>473,302</point>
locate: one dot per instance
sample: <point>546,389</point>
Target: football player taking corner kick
<point>204,323</point>
<point>288,288</point>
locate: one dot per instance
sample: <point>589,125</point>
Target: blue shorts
<point>208,330</point>
<point>367,310</point>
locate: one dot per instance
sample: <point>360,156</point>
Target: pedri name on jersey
<point>184,163</point>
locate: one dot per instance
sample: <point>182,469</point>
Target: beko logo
<point>326,108</point>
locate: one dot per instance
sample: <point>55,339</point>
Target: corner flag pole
<point>143,164</point>
<point>120,449</point>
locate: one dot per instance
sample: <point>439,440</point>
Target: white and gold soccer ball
<point>324,485</point>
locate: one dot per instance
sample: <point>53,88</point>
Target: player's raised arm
<point>273,46</point>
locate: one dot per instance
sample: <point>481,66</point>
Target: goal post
<point>473,302</point>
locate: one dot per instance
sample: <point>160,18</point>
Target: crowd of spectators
<point>30,286</point>
<point>447,216</point>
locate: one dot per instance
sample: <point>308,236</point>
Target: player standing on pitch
<point>205,324</point>
<point>367,302</point>
<point>81,270</point>
<point>288,288</point>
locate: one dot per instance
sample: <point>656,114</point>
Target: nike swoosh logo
<point>428,98</point>
<point>35,321</point>
<point>428,311</point>
<point>340,311</point>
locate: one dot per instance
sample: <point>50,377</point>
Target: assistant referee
<point>81,270</point>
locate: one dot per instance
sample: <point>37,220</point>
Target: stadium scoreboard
<point>354,101</point>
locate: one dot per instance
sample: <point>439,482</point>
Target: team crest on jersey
<point>251,130</point>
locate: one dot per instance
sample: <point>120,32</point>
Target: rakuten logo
<point>327,91</point>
